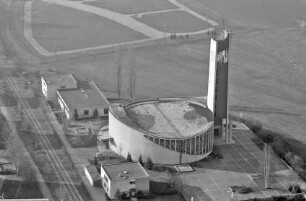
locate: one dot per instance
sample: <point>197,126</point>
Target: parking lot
<point>241,164</point>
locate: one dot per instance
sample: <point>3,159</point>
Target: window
<point>162,142</point>
<point>178,146</point>
<point>167,144</point>
<point>105,179</point>
<point>188,146</point>
<point>192,144</point>
<point>172,144</point>
<point>86,112</point>
<point>63,87</point>
<point>105,110</point>
<point>132,182</point>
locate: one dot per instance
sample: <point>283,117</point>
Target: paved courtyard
<point>241,164</point>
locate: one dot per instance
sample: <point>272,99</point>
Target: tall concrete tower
<point>218,82</point>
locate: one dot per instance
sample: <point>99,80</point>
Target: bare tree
<point>132,83</point>
<point>119,76</point>
<point>5,131</point>
<point>178,185</point>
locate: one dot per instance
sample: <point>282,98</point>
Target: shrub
<point>76,115</point>
<point>159,168</point>
<point>106,196</point>
<point>129,158</point>
<point>139,194</point>
<point>162,188</point>
<point>280,144</point>
<point>149,164</point>
<point>140,160</point>
<point>294,188</point>
<point>118,195</point>
<point>241,189</point>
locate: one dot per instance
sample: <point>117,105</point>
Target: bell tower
<point>217,97</point>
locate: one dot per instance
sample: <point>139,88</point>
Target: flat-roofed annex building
<point>125,177</point>
<point>83,103</point>
<point>50,84</point>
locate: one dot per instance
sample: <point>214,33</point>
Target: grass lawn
<point>132,6</point>
<point>56,28</point>
<point>174,22</point>
<point>253,13</point>
<point>20,190</point>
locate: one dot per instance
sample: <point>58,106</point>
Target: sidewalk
<point>97,194</point>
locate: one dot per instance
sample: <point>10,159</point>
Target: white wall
<point>103,174</point>
<point>212,76</point>
<point>88,176</point>
<point>50,89</point>
<point>128,140</point>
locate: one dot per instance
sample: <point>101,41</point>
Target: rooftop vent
<point>125,172</point>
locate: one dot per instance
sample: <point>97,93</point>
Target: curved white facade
<point>162,150</point>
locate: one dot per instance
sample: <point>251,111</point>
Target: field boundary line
<point>28,30</point>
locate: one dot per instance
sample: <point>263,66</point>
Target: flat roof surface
<point>83,98</point>
<point>167,118</point>
<point>60,79</point>
<point>116,171</point>
<point>92,170</point>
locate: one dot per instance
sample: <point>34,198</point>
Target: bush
<point>140,160</point>
<point>139,194</point>
<point>281,145</point>
<point>162,188</point>
<point>129,158</point>
<point>106,196</point>
<point>294,189</point>
<point>159,168</point>
<point>149,164</point>
<point>298,197</point>
<point>241,189</point>
<point>118,195</point>
<point>76,115</point>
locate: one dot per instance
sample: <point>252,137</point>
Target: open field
<point>267,14</point>
<point>132,6</point>
<point>56,28</point>
<point>176,21</point>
